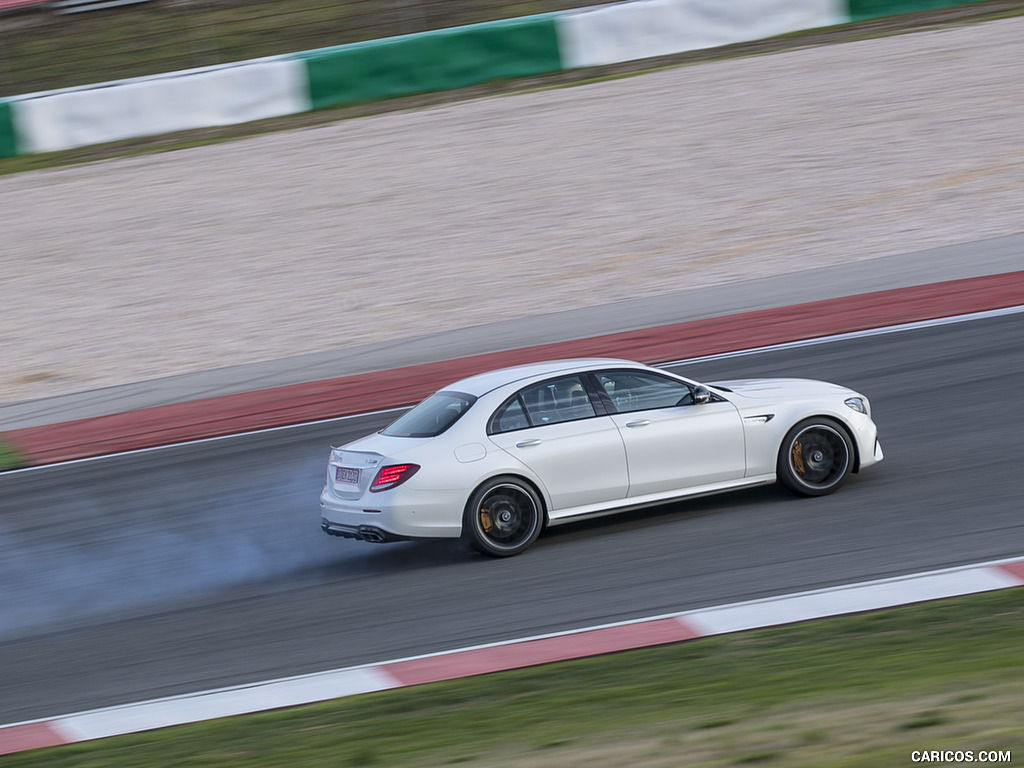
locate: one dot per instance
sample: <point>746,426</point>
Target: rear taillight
<point>393,475</point>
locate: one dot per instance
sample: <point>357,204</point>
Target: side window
<point>511,417</point>
<point>641,391</point>
<point>563,399</point>
<point>549,402</point>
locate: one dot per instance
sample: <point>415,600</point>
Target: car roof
<point>482,383</point>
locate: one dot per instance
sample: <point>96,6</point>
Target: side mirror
<point>701,396</point>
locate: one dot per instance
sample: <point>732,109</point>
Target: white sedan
<point>498,456</point>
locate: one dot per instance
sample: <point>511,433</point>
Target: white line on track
<point>919,325</point>
<point>336,419</point>
<point>882,331</point>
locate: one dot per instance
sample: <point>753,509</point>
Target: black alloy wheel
<point>504,516</point>
<point>816,457</point>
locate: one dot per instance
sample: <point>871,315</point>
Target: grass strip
<point>42,50</point>
<point>862,690</point>
<point>10,456</point>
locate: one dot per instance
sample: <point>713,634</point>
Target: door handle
<point>527,443</point>
<point>638,423</point>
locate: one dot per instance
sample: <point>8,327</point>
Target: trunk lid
<point>352,467</point>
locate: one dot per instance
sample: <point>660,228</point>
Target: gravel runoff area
<point>406,223</point>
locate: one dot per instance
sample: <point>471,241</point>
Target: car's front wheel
<point>503,517</point>
<point>816,457</point>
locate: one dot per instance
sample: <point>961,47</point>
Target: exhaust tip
<point>371,534</point>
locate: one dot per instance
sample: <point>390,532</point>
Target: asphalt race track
<point>946,400</point>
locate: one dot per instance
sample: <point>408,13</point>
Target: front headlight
<point>859,404</point>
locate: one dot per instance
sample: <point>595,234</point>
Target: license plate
<point>346,475</point>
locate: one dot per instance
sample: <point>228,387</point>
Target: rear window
<point>431,417</point>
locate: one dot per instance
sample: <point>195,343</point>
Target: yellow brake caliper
<point>485,520</point>
<point>798,457</point>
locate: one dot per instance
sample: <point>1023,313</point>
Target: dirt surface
<point>454,215</point>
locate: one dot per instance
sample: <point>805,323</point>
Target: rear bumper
<point>399,515</point>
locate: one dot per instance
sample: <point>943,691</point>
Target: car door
<point>554,429</point>
<point>671,442</point>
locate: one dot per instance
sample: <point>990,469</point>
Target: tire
<point>816,457</point>
<point>503,517</point>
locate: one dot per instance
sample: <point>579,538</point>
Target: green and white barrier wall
<point>431,61</point>
<point>441,60</point>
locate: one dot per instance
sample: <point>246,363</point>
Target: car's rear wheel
<point>816,457</point>
<point>503,517</point>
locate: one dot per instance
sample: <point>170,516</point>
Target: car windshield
<point>431,417</point>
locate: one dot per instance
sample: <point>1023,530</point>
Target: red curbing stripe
<point>331,398</point>
<point>480,661</point>
<point>18,738</point>
<point>1014,569</point>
